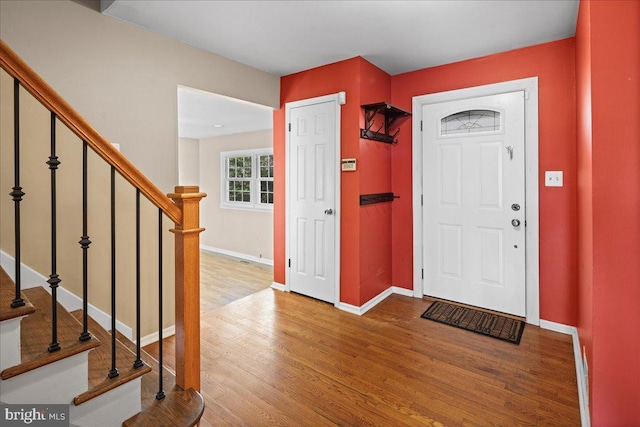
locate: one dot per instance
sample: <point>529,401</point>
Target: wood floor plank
<point>275,358</point>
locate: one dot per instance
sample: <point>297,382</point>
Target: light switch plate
<point>553,179</point>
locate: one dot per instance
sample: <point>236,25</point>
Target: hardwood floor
<point>276,358</point>
<point>224,279</point>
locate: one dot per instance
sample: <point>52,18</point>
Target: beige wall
<point>188,161</point>
<point>123,79</point>
<point>36,208</point>
<point>245,232</point>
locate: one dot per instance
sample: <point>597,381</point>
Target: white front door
<point>474,201</point>
<point>312,204</point>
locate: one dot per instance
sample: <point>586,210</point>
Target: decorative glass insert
<point>266,179</point>
<point>470,121</point>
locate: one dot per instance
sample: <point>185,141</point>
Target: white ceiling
<point>287,36</point>
<point>198,111</point>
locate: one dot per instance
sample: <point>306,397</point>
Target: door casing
<point>338,99</point>
<point>530,87</point>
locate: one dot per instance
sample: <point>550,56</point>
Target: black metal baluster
<point>84,244</point>
<point>114,371</point>
<point>138,363</point>
<point>17,193</point>
<point>54,279</point>
<point>160,395</point>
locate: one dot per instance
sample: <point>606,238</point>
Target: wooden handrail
<point>51,100</point>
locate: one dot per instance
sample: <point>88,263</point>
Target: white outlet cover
<point>553,179</point>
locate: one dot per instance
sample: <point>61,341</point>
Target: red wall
<point>554,65</point>
<point>585,180</point>
<point>374,163</point>
<point>611,308</point>
<point>589,127</point>
<point>365,233</point>
<point>326,80</point>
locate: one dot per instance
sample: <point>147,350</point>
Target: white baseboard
<point>31,279</point>
<point>236,255</point>
<point>278,286</point>
<point>374,301</point>
<point>583,394</point>
<point>151,338</point>
<point>402,291</point>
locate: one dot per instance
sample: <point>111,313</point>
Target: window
<point>470,121</point>
<point>247,179</point>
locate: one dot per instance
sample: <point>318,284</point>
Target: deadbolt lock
<point>515,207</point>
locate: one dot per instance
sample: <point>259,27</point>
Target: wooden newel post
<point>187,235</point>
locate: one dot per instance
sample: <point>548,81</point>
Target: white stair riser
<point>57,382</point>
<point>10,343</point>
<point>109,409</point>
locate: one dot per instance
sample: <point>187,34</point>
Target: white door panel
<point>474,172</point>
<point>312,200</point>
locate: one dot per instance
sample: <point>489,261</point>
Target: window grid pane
<point>266,166</point>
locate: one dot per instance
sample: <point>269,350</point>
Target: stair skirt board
<point>10,343</point>
<point>31,279</point>
<point>57,382</point>
<point>109,409</point>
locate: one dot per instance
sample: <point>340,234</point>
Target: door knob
<point>328,212</point>
<point>515,222</point>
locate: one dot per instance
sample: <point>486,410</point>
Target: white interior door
<point>311,221</point>
<point>474,201</point>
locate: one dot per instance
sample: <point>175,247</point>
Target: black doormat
<point>489,324</point>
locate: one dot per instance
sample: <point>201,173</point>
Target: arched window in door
<point>470,121</point>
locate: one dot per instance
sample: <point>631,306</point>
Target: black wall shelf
<point>392,118</point>
<point>370,199</point>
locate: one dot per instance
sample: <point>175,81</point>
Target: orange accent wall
<point>585,179</point>
<point>365,233</point>
<point>554,65</point>
<point>589,127</point>
<point>374,163</point>
<point>609,73</point>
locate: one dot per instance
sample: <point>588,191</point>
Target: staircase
<point>75,376</point>
<point>53,353</point>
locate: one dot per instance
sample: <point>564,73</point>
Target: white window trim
<point>254,205</point>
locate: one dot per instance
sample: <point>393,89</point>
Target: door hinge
<point>289,127</point>
<point>420,125</point>
<point>289,262</point>
<point>421,200</point>
<point>525,222</point>
<point>423,274</point>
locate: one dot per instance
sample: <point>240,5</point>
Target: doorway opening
<point>225,146</point>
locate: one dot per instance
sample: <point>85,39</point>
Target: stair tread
<point>179,407</point>
<point>7,294</point>
<point>100,363</point>
<point>35,335</point>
